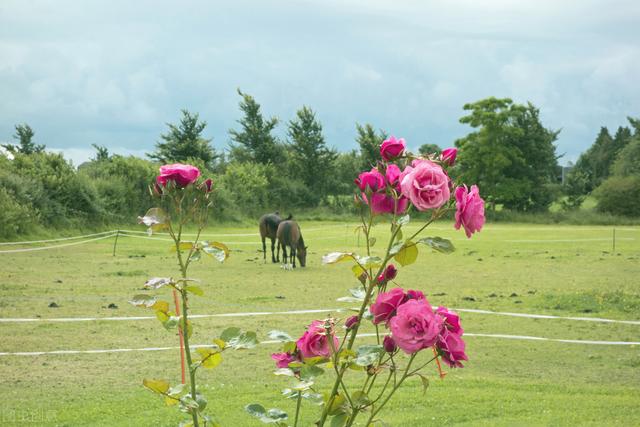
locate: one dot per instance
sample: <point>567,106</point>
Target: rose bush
<point>405,323</point>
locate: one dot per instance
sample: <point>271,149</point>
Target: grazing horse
<point>268,227</point>
<point>289,234</point>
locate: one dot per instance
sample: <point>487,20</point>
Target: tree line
<point>509,153</point>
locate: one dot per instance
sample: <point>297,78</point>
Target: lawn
<point>558,270</point>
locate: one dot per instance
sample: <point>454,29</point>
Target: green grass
<point>559,270</point>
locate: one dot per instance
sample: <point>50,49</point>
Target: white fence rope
<point>13,251</point>
<point>497,336</point>
<point>57,240</point>
<point>309,311</point>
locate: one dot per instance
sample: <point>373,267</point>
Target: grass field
<point>557,270</point>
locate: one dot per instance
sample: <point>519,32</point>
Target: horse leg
<point>284,254</point>
<point>264,250</point>
<point>273,258</point>
<point>292,255</point>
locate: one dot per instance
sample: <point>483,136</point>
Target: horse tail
<point>289,218</point>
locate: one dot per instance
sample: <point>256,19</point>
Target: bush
<point>619,195</point>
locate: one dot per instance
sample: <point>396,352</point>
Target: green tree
<point>347,169</point>
<point>255,140</point>
<point>369,141</point>
<point>311,160</point>
<point>511,155</point>
<point>185,141</point>
<point>102,153</point>
<point>426,149</point>
<point>628,161</point>
<point>24,135</point>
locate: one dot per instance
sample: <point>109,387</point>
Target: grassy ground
<point>559,270</point>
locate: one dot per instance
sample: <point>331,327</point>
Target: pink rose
<point>382,203</point>
<point>283,359</point>
<point>451,347</point>
<point>351,322</point>
<point>182,175</point>
<point>469,210</point>
<point>448,156</point>
<point>392,148</point>
<point>372,179</point>
<point>392,174</point>
<point>389,344</point>
<point>425,184</point>
<point>415,326</point>
<point>411,294</point>
<point>386,304</point>
<point>451,320</point>
<point>389,273</point>
<point>314,342</point>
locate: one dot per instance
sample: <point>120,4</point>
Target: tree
<point>184,142</point>
<point>511,156</point>
<point>256,143</point>
<point>24,135</point>
<point>311,160</point>
<point>628,161</point>
<point>102,152</point>
<point>426,149</point>
<point>369,141</point>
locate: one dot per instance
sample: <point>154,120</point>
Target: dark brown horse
<point>289,234</point>
<point>268,227</point>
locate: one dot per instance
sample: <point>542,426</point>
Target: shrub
<point>619,196</point>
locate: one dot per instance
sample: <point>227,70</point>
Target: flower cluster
<point>180,176</point>
<point>414,325</point>
<point>317,341</point>
<point>424,183</point>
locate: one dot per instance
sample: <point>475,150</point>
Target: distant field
<point>565,271</point>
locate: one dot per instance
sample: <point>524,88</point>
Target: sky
<point>113,73</point>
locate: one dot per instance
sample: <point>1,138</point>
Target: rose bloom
<point>451,347</point>
<point>182,175</point>
<point>448,156</point>
<point>415,326</point>
<point>372,179</point>
<point>282,359</point>
<point>469,210</point>
<point>392,175</point>
<point>314,342</point>
<point>411,294</point>
<point>451,320</point>
<point>382,203</point>
<point>425,184</point>
<point>392,148</point>
<point>386,304</point>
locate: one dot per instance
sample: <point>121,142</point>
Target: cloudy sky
<point>114,72</point>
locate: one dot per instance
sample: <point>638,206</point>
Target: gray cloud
<point>113,73</point>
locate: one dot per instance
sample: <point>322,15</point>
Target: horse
<point>289,234</point>
<point>268,227</point>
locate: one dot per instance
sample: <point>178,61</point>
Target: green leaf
<point>338,406</point>
<point>194,290</point>
<point>302,385</point>
<point>397,247</point>
<point>156,219</point>
<point>161,306</point>
<point>403,220</point>
<point>425,383</point>
<point>237,339</point>
<point>289,347</point>
<point>357,295</point>
<point>339,420</point>
<point>188,404</point>
<point>196,255</point>
<point>280,336</point>
<point>218,250</point>
<point>369,261</point>
<point>368,354</point>
<point>284,372</point>
<point>438,244</point>
<point>271,416</point>
<point>209,358</point>
<point>372,241</point>
<point>158,282</point>
<point>156,386</point>
<point>142,300</point>
<point>309,372</point>
<point>408,254</point>
<point>360,398</point>
<point>184,246</point>
<point>334,257</point>
<point>358,270</point>
<point>174,394</point>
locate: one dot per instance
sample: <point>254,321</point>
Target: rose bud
<point>389,344</point>
<point>392,148</point>
<point>390,272</point>
<point>448,156</point>
<point>351,322</point>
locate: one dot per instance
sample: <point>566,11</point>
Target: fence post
<point>115,243</point>
<point>614,240</point>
